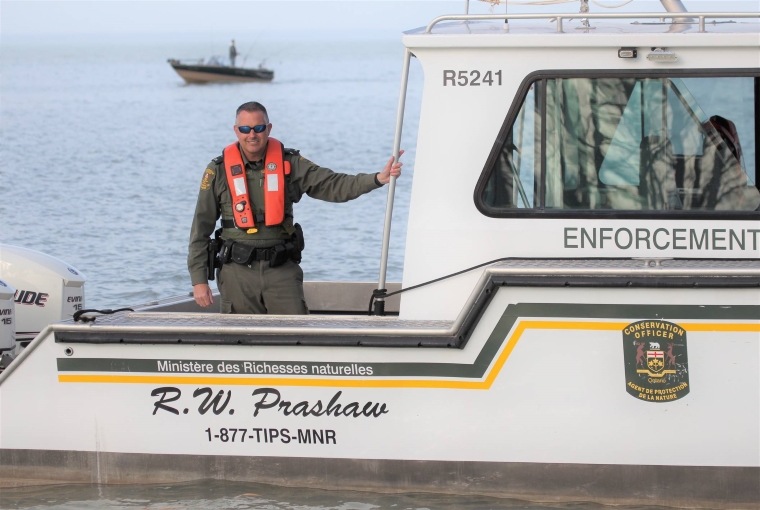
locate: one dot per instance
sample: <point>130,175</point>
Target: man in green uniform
<point>259,284</point>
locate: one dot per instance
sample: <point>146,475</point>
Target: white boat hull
<point>542,385</point>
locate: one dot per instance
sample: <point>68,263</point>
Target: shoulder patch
<point>207,176</point>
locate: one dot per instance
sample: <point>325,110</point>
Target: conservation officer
<point>253,186</point>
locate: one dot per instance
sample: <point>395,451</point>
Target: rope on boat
<point>78,314</point>
<point>382,293</point>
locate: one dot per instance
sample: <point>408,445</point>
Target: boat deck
<point>207,328</point>
<point>357,330</point>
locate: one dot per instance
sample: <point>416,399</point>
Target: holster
<point>299,243</point>
<point>212,261</point>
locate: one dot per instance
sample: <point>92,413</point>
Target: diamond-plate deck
<point>184,321</point>
<point>201,328</point>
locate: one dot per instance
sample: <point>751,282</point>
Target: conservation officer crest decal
<point>656,362</point>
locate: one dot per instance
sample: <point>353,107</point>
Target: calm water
<point>235,495</point>
<point>103,146</point>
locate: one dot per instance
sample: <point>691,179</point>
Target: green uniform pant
<point>262,289</point>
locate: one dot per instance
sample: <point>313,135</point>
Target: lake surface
<point>103,147</point>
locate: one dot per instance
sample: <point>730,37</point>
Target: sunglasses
<point>260,128</point>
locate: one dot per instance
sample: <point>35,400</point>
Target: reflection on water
<point>213,494</point>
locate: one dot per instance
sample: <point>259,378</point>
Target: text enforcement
<point>662,238</point>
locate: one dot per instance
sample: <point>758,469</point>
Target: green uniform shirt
<point>305,177</point>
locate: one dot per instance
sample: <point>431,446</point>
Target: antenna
<point>676,6</point>
<point>585,10</point>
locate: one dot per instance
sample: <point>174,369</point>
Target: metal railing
<point>677,17</point>
<point>380,303</point>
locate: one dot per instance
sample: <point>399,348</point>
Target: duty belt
<point>245,254</point>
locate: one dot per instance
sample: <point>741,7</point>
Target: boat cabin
<point>582,139</point>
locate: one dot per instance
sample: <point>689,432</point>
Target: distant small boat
<point>213,70</point>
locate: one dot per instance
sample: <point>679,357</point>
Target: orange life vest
<point>275,170</point>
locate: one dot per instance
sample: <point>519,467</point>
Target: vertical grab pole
<point>380,302</point>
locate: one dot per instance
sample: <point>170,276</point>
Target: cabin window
<point>513,179</point>
<point>658,143</point>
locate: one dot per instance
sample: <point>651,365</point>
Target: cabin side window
<point>659,143</point>
<point>513,181</point>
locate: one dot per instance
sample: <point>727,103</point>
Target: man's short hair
<point>252,106</point>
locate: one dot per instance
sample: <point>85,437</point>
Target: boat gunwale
<point>597,273</point>
<point>223,70</point>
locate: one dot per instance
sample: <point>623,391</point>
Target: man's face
<point>253,144</point>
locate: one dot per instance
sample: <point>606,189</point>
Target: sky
<point>23,18</point>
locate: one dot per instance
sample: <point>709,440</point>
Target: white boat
<point>597,173</point>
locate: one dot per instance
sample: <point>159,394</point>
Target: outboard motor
<point>46,290</point>
<point>7,319</point>
<point>7,325</point>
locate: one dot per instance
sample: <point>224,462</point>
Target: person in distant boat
<point>253,186</point>
<point>233,53</point>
